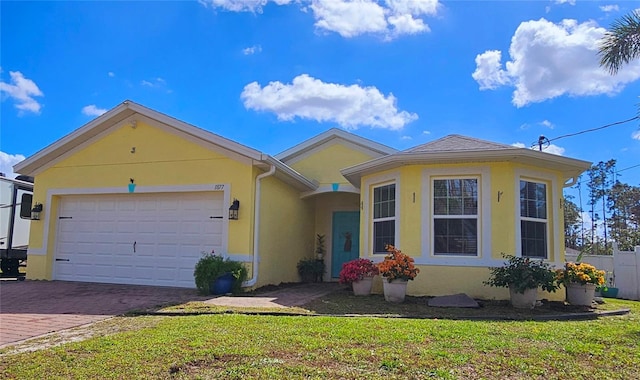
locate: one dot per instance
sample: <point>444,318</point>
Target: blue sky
<point>270,74</point>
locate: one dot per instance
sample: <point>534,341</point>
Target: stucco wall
<point>500,203</point>
<point>286,232</point>
<point>161,159</point>
<point>324,164</point>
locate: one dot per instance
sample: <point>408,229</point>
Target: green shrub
<point>212,266</point>
<point>523,273</point>
<point>310,269</point>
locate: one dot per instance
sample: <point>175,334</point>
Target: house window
<point>533,219</point>
<point>455,216</point>
<point>384,217</point>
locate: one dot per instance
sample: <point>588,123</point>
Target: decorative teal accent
<point>335,186</point>
<point>345,239</point>
<point>132,187</point>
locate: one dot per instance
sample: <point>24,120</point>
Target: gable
<point>146,143</point>
<point>323,163</point>
<point>126,114</point>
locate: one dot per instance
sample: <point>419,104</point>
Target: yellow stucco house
<point>136,196</point>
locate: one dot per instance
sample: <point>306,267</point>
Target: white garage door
<point>145,239</point>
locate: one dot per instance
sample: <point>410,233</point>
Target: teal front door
<point>345,239</point>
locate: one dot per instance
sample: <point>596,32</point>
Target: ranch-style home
<point>136,196</point>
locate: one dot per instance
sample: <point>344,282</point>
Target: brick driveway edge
<point>29,309</point>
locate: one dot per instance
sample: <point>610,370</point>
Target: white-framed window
<point>455,226</point>
<point>533,219</point>
<point>384,216</point>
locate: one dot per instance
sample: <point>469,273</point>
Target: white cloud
<point>636,135</point>
<point>241,5</point>
<point>552,148</point>
<point>550,60</point>
<point>7,161</point>
<point>609,8</point>
<point>309,98</point>
<point>426,132</point>
<point>547,123</point>
<point>252,50</point>
<point>111,74</point>
<point>92,110</point>
<point>350,18</point>
<point>22,91</point>
<point>570,2</point>
<point>156,83</point>
<point>489,73</point>
<point>391,18</point>
<point>406,138</point>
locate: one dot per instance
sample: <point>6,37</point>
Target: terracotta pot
<point>394,291</point>
<point>580,294</point>
<point>362,287</point>
<point>524,301</point>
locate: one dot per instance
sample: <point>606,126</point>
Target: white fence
<point>625,266</point>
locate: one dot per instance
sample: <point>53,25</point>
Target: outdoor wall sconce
<point>233,210</point>
<point>35,211</point>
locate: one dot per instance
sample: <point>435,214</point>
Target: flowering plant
<point>581,273</point>
<point>356,270</point>
<point>397,266</point>
<point>522,273</point>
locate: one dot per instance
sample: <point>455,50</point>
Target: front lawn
<point>247,346</point>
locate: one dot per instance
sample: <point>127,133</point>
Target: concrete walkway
<point>281,298</point>
<point>33,308</point>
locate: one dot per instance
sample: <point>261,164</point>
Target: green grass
<point>240,346</point>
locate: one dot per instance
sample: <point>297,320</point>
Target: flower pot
<point>395,290</point>
<point>610,292</point>
<point>222,285</point>
<point>580,294</point>
<point>526,300</point>
<point>362,287</point>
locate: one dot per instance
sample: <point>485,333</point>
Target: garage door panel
<point>170,232</point>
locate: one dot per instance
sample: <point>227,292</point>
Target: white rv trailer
<point>15,218</point>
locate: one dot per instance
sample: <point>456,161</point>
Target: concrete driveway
<point>33,308</point>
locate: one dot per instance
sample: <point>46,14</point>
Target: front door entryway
<point>345,239</point>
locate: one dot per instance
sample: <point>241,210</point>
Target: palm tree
<point>621,43</point>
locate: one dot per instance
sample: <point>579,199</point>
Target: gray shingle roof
<point>452,143</point>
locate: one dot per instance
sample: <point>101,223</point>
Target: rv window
<point>25,206</point>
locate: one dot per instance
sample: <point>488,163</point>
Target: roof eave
<point>332,133</point>
<point>289,175</point>
<point>117,115</point>
<point>570,167</point>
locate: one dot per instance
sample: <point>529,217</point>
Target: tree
<point>600,180</point>
<point>624,205</point>
<point>572,224</point>
<point>621,43</point>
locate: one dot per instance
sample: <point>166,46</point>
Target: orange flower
<point>397,265</point>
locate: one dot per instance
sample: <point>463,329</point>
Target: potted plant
<point>359,273</point>
<point>609,291</point>
<point>397,269</point>
<point>320,251</point>
<point>310,270</point>
<point>216,275</point>
<point>580,281</point>
<point>523,276</point>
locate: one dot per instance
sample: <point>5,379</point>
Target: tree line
<point>612,212</point>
